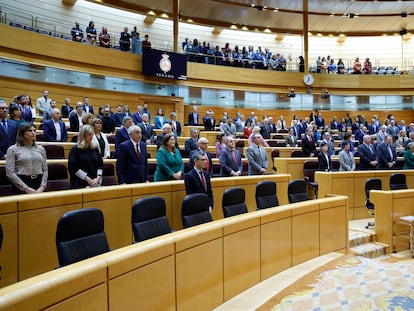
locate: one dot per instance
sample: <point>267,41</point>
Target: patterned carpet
<point>351,283</point>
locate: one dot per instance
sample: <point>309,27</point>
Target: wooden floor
<point>256,296</point>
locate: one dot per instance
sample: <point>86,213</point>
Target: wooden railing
<point>193,269</point>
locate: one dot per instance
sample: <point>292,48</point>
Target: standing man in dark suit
<point>8,130</point>
<point>209,121</point>
<point>175,125</point>
<point>54,129</point>
<point>193,117</point>
<point>202,147</point>
<point>197,180</point>
<point>131,158</point>
<point>66,108</point>
<point>367,156</point>
<point>192,143</point>
<point>257,157</point>
<point>147,130</point>
<point>122,133</point>
<point>386,155</point>
<point>87,107</point>
<point>309,143</point>
<point>75,119</point>
<point>230,159</point>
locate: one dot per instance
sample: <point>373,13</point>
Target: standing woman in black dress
<point>85,163</point>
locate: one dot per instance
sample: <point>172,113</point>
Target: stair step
<point>369,250</point>
<point>359,237</point>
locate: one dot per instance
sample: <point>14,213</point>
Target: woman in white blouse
<point>100,139</point>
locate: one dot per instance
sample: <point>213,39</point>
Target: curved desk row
<point>193,269</point>
<point>29,221</point>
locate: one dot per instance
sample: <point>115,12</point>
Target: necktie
<point>207,164</point>
<point>138,152</point>
<point>203,180</point>
<point>233,156</point>
<point>4,123</point>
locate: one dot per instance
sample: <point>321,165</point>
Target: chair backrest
<point>54,151</point>
<point>194,210</point>
<point>108,176</point>
<point>80,235</point>
<point>1,236</point>
<point>58,184</point>
<point>371,184</point>
<point>309,169</point>
<point>297,191</point>
<point>149,218</point>
<point>266,195</point>
<point>57,171</point>
<point>297,154</point>
<point>6,187</point>
<point>398,181</point>
<point>234,202</point>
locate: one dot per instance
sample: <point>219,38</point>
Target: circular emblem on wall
<point>165,63</point>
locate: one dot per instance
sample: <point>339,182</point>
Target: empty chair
<point>398,181</point>
<point>43,31</point>
<point>371,184</point>
<point>234,202</point>
<point>108,176</point>
<point>54,151</point>
<point>6,187</point>
<point>297,191</point>
<point>30,28</point>
<point>111,138</point>
<point>309,169</point>
<point>195,210</point>
<point>266,195</point>
<point>80,235</point>
<point>57,177</point>
<point>149,218</point>
<point>14,24</point>
<point>297,154</point>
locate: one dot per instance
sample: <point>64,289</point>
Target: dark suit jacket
<point>323,164</point>
<point>308,147</point>
<point>147,133</point>
<point>90,108</point>
<point>209,124</point>
<point>74,122</point>
<point>193,184</point>
<point>384,157</point>
<point>121,136</point>
<point>365,157</point>
<point>177,127</point>
<point>50,132</point>
<point>66,110</point>
<point>210,161</point>
<point>191,119</point>
<point>128,168</point>
<point>190,145</point>
<point>6,140</point>
<point>227,163</point>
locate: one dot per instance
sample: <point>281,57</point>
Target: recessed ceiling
<point>353,18</point>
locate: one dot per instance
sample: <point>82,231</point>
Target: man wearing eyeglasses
<point>8,130</point>
<point>197,180</point>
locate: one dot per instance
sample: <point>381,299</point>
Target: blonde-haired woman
<point>100,139</point>
<point>85,163</point>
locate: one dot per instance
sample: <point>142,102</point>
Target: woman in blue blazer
<point>170,165</point>
<point>160,119</point>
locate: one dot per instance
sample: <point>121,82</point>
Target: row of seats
<point>397,182</point>
<point>57,178</point>
<point>80,233</point>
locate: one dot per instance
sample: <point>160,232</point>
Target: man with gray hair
<point>131,158</point>
<point>122,133</point>
<point>367,154</point>
<point>257,157</point>
<point>202,147</point>
<point>166,129</point>
<point>386,155</point>
<point>147,129</point>
<point>175,125</point>
<point>230,159</point>
<point>54,129</point>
